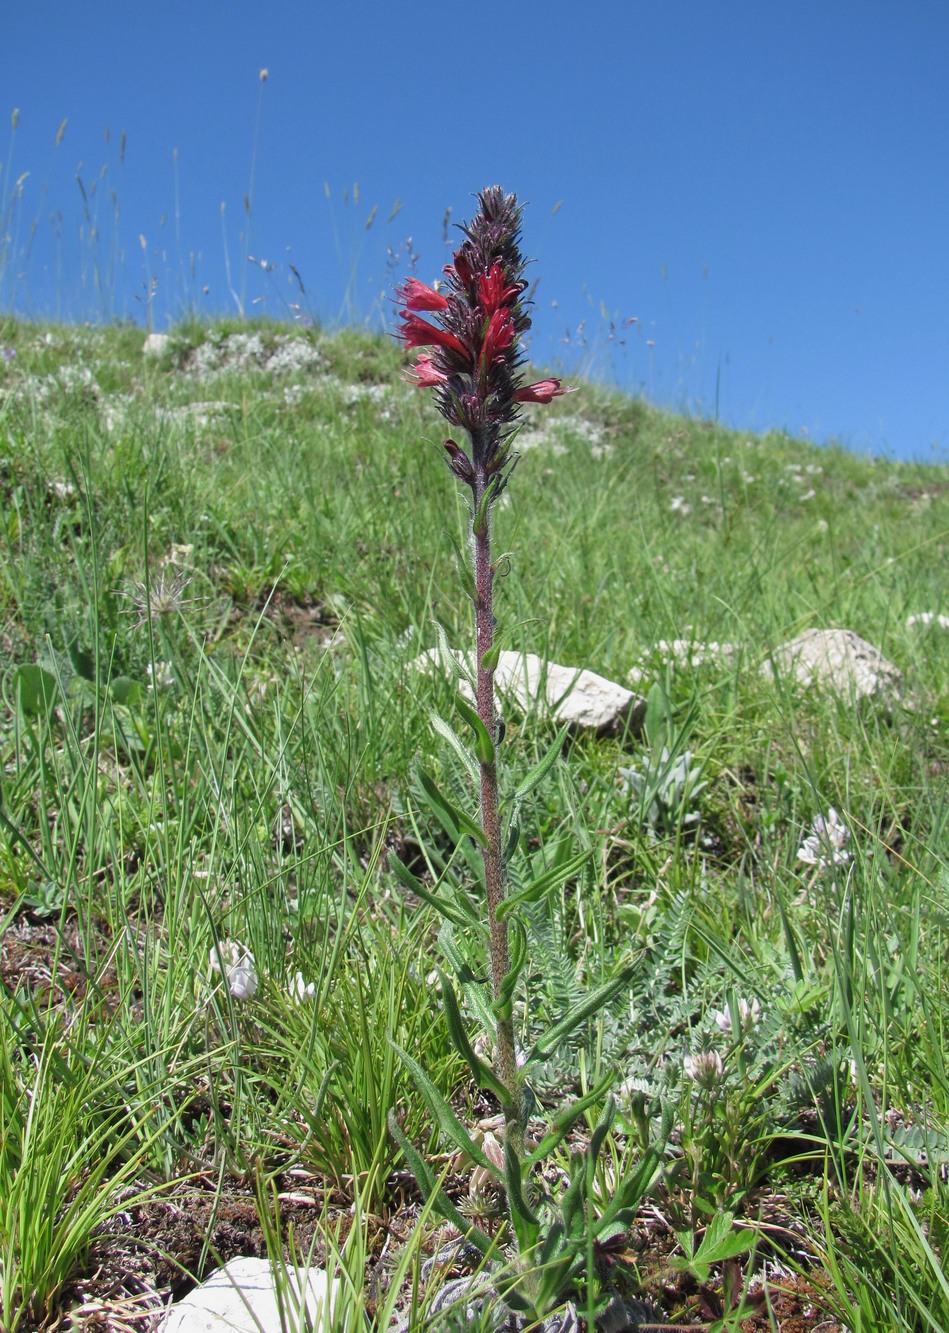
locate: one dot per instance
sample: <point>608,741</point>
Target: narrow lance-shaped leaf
<point>565,1120</point>
<point>545,883</point>
<point>448,734</point>
<point>458,910</point>
<point>448,1122</point>
<point>514,1186</point>
<point>504,1004</point>
<point>433,1190</point>
<point>545,1046</point>
<point>445,807</point>
<point>484,1075</point>
<point>541,769</point>
<point>484,745</point>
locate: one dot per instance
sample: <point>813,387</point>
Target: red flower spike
<point>415,295</point>
<point>544,391</point>
<point>473,360</point>
<point>416,332</point>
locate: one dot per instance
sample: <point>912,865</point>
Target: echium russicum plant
<point>474,369</point>
<point>471,328</point>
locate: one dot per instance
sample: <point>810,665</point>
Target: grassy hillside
<point>220,563</point>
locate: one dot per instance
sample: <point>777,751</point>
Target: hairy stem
<point>490,815</point>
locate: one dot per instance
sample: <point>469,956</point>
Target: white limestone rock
<point>155,344</point>
<point>569,696</point>
<point>241,1297</point>
<point>840,661</point>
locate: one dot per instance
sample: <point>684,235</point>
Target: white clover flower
<point>160,673</point>
<point>237,964</point>
<point>826,843</point>
<point>749,1016</point>
<point>705,1069</point>
<point>302,992</point>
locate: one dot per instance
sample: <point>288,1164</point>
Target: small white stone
<point>241,1297</point>
<point>155,344</point>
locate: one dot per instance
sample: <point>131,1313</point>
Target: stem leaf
<point>448,1122</point>
<point>484,745</point>
<point>541,769</point>
<point>545,1046</point>
<point>433,1190</point>
<point>544,883</point>
<point>455,821</point>
<point>449,734</point>
<point>458,911</point>
<point>484,1075</point>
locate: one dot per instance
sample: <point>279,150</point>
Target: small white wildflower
<point>826,843</point>
<point>679,505</point>
<point>808,495</point>
<point>302,992</point>
<point>705,1069</point>
<point>160,673</point>
<point>749,1016</point>
<point>926,618</point>
<point>238,968</point>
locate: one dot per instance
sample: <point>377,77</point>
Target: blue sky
<point>762,187</point>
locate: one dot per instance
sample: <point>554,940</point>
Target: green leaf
<point>458,910</point>
<point>545,1046</point>
<point>461,750</point>
<point>433,1190</point>
<point>126,692</point>
<point>35,690</point>
<point>514,1186</point>
<point>458,822</point>
<point>447,1121</point>
<point>544,883</point>
<point>540,770</point>
<point>503,1006</point>
<point>719,1243</point>
<point>484,745</point>
<point>490,658</point>
<point>565,1121</point>
<point>483,1074</point>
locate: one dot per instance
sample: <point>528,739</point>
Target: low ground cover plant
<point>248,1002</point>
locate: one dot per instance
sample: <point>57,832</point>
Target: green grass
<point>223,604</point>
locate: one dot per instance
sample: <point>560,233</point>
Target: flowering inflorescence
<point>826,844</point>
<point>477,318</point>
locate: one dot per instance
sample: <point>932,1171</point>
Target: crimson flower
<point>424,374</point>
<point>479,319</point>
<point>415,295</point>
<point>416,332</point>
<point>544,391</point>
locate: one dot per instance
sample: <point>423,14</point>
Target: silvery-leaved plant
<point>471,326</point>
